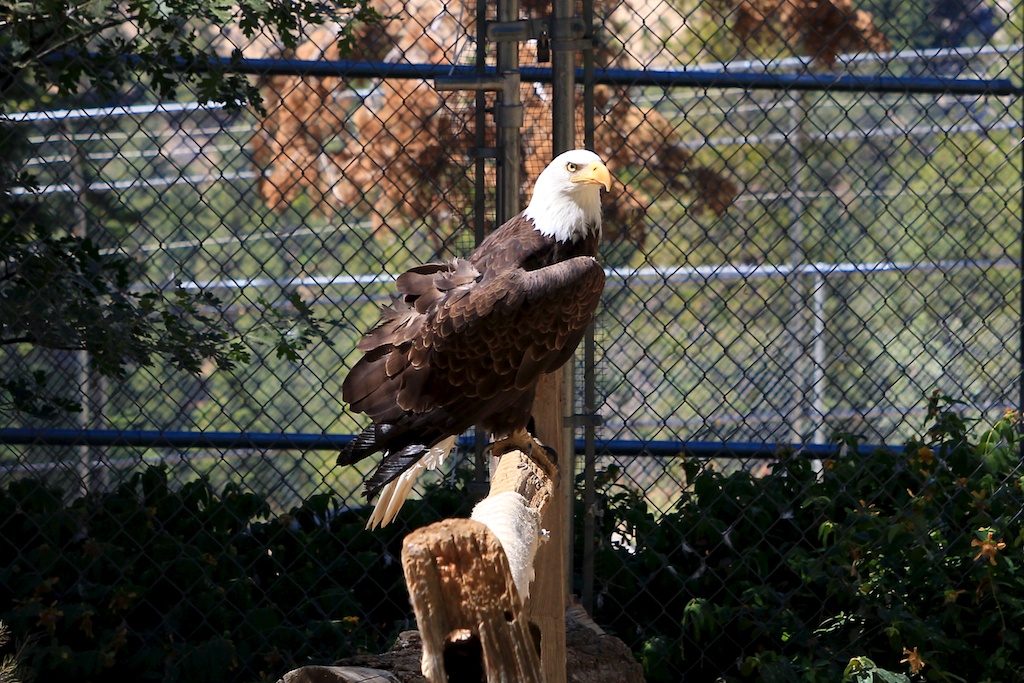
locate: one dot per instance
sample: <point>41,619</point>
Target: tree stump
<point>467,579</point>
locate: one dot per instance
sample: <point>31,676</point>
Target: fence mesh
<point>785,262</point>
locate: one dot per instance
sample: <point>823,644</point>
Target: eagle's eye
<point>571,167</point>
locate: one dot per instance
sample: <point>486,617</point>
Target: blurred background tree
<point>59,289</point>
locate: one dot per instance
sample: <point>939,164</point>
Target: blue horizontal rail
<point>145,438</point>
<point>666,78</point>
<point>693,78</point>
<point>716,449</point>
<point>140,438</point>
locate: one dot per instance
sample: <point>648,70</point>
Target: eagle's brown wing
<point>503,333</point>
<point>459,346</point>
<point>373,385</point>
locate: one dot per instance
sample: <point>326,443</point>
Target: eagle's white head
<point>566,202</point>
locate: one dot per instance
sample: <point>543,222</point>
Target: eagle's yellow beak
<point>594,173</point>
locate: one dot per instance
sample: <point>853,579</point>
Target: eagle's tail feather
<point>372,439</point>
<point>396,460</point>
<point>394,493</point>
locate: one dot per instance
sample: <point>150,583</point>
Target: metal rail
<point>693,78</point>
<point>141,438</point>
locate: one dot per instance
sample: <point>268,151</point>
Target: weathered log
<point>467,606</point>
<point>466,578</point>
<point>521,488</point>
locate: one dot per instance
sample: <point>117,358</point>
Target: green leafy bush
<point>909,559</point>
<point>888,568</point>
<point>155,583</point>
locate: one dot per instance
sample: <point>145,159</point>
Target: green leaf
<point>863,670</point>
<point>826,531</point>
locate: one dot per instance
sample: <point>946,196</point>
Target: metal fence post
<point>554,400</point>
<point>509,117</point>
<point>800,327</point>
<point>91,386</point>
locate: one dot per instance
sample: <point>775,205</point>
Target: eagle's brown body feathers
<point>465,342</point>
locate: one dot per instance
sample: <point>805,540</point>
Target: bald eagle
<point>465,343</point>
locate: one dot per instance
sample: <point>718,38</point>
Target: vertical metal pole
<point>563,66</point>
<point>589,114</point>
<point>509,117</point>
<point>563,107</point>
<point>480,217</point>
<point>589,346</point>
<point>1020,284</point>
<point>796,327</point>
<point>85,381</point>
<point>480,139</point>
<point>589,467</point>
<point>818,374</point>
<point>554,400</point>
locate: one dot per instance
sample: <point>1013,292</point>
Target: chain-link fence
<point>816,225</point>
<point>851,276</point>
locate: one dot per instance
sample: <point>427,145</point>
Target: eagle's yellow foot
<point>535,451</point>
<point>517,441</point>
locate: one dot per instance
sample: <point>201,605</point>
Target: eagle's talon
<point>520,441</point>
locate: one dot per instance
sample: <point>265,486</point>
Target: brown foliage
<point>402,154</point>
<point>818,28</point>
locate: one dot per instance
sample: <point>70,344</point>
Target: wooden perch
<point>467,579</point>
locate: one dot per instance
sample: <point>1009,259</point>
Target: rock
<point>338,674</point>
<point>593,656</point>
